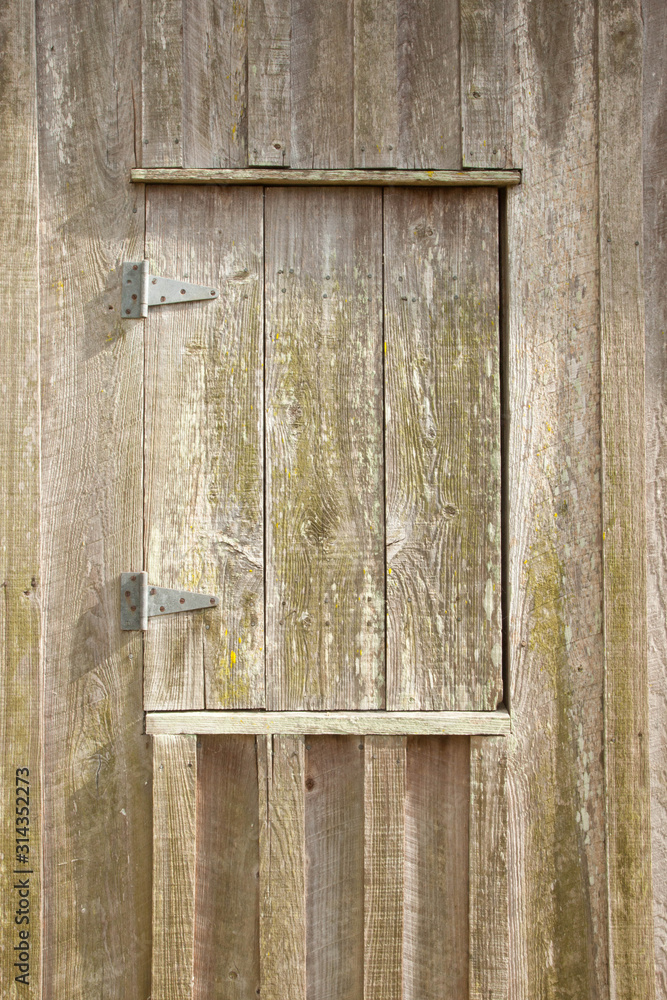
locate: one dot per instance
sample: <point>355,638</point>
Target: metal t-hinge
<point>141,290</point>
<point>139,601</point>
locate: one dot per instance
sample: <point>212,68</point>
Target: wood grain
<point>483,83</point>
<point>334,837</point>
<point>429,111</point>
<point>556,844</point>
<point>324,453</point>
<point>487,895</point>
<point>322,84</point>
<point>226,943</point>
<point>628,826</point>
<point>282,927</point>
<point>97,804</point>
<point>162,83</point>
<point>214,109</point>
<point>174,862</point>
<point>384,860</point>
<point>442,450</point>
<point>299,723</point>
<point>20,698</point>
<point>435,949</point>
<point>319,178</point>
<point>375,83</point>
<point>655,280</point>
<point>269,124</point>
<point>204,443</point>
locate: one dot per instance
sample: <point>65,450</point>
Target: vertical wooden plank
<point>442,450</point>
<point>282,926</point>
<point>226,930</point>
<point>429,111</point>
<point>655,281</point>
<point>322,84</point>
<point>488,914</point>
<point>556,841</point>
<point>334,825</point>
<point>20,697</point>
<point>435,951</point>
<point>375,84</point>
<point>483,83</point>
<point>162,83</point>
<point>384,860</point>
<point>97,804</point>
<point>623,495</point>
<point>174,855</point>
<point>214,83</point>
<point>269,31</point>
<point>204,443</point>
<point>324,462</point>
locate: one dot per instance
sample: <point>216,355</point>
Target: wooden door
<point>322,452</point>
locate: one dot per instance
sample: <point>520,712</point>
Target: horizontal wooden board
<point>384,178</point>
<point>299,723</point>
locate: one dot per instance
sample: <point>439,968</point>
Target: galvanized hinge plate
<point>141,290</point>
<point>139,601</point>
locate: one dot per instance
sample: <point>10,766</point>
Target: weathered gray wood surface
<point>334,837</point>
<point>483,55</point>
<point>204,445</point>
<point>487,894</point>
<point>620,44</point>
<point>97,804</point>
<point>442,447</point>
<point>226,928</point>
<point>556,820</point>
<point>20,688</point>
<point>435,947</point>
<point>317,178</point>
<point>174,866</point>
<point>655,281</point>
<point>382,723</point>
<point>324,450</point>
<point>269,83</point>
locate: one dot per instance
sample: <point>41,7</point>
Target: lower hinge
<point>139,601</point>
<point>141,290</point>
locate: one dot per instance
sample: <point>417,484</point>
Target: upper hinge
<point>139,601</point>
<point>141,290</point>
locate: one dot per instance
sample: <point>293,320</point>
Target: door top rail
<point>375,178</point>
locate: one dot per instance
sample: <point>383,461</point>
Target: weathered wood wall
<point>655,256</point>
<point>532,84</point>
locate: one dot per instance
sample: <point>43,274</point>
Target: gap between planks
<point>273,175</point>
<point>345,723</point>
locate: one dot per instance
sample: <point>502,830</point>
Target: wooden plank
<point>97,807</point>
<point>226,948</point>
<point>20,700</point>
<point>162,83</point>
<point>375,84</point>
<point>620,37</point>
<point>435,950</point>
<point>384,859</point>
<point>442,450</point>
<point>204,442</point>
<point>487,906</point>
<point>556,851</point>
<point>655,280</point>
<point>483,71</point>
<point>174,861</point>
<point>324,451</point>
<point>318,178</point>
<point>322,84</point>
<point>429,112</point>
<point>269,125</point>
<point>282,927</point>
<point>300,723</point>
<point>334,831</point>
<point>214,83</point>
